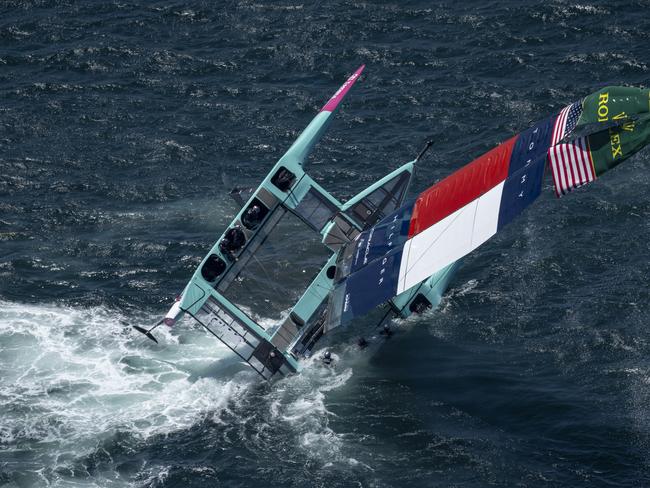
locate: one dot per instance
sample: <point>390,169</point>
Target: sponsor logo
<point>343,87</point>
<point>382,271</point>
<point>615,135</point>
<point>365,254</point>
<point>392,231</point>
<point>358,249</point>
<point>628,125</point>
<point>615,142</point>
<point>603,109</point>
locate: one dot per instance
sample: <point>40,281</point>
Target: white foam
<point>298,405</point>
<point>71,377</point>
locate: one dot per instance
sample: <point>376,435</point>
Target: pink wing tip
<point>333,102</point>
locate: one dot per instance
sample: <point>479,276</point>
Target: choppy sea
<point>124,124</point>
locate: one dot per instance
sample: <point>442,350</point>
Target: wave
<point>75,378</point>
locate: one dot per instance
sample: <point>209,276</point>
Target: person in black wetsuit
<point>386,331</point>
<point>232,241</point>
<point>327,358</point>
<point>252,217</point>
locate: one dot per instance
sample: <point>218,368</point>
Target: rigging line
<point>285,209</point>
<point>252,253</point>
<point>275,290</point>
<point>291,193</point>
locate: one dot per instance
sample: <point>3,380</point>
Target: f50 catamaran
<point>384,251</point>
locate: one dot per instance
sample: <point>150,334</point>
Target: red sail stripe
<point>558,174</point>
<point>554,172</point>
<point>561,171</point>
<point>585,161</point>
<point>563,168</point>
<point>462,187</point>
<point>565,115</point>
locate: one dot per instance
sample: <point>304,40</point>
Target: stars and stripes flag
<point>571,163</point>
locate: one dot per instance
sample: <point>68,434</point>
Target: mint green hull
<point>289,189</point>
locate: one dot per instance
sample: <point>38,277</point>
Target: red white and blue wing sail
<point>458,214</point>
<point>444,223</point>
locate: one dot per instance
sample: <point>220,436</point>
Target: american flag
<point>571,162</point>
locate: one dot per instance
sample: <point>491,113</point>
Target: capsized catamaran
<point>288,189</point>
<point>384,251</point>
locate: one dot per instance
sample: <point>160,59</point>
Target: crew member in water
<point>386,331</point>
<point>327,358</point>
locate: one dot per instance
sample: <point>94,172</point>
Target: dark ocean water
<point>122,127</point>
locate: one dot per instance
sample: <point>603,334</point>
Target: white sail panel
<point>450,239</point>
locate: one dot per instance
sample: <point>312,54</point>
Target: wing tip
<point>336,99</point>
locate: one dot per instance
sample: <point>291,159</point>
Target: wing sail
<point>461,212</point>
<point>443,224</point>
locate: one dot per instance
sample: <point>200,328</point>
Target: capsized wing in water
<point>458,214</point>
